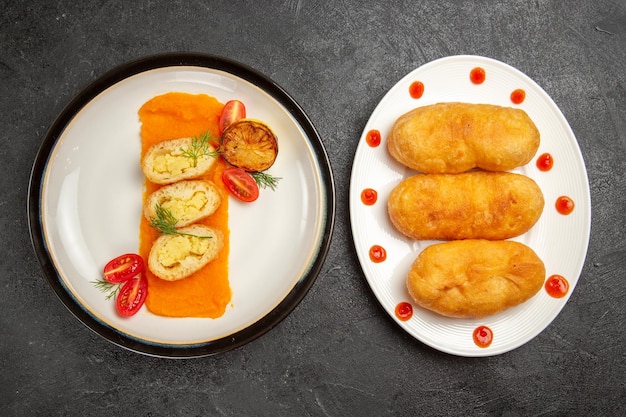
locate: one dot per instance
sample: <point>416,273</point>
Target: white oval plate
<point>560,241</point>
<point>85,202</point>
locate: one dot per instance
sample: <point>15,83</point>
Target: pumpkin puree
<point>207,292</point>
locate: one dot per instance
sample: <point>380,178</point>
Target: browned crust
<point>473,205</point>
<point>475,278</point>
<point>456,137</point>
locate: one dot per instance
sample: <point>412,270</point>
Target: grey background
<point>338,353</point>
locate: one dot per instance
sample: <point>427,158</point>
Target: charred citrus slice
<point>250,145</point>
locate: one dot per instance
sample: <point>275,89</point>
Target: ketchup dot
<point>369,196</point>
<point>483,336</point>
<point>416,89</point>
<point>545,162</point>
<point>564,205</point>
<point>404,311</point>
<point>378,254</point>
<point>373,138</point>
<point>477,75</point>
<point>518,96</point>
<point>557,286</point>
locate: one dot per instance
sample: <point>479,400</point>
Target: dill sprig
<point>265,180</point>
<point>109,288</point>
<point>165,223</point>
<point>200,146</point>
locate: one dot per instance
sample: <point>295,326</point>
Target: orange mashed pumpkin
<point>207,292</point>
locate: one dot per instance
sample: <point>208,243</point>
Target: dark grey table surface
<point>337,353</point>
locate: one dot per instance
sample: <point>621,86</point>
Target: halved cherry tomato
<point>240,184</point>
<point>132,295</point>
<point>233,110</point>
<point>123,268</point>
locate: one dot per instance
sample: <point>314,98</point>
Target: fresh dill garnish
<point>265,180</point>
<point>109,288</point>
<point>165,223</point>
<point>200,146</point>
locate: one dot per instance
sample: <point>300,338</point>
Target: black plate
<point>54,274</point>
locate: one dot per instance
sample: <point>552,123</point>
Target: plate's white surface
<point>560,241</point>
<point>92,196</point>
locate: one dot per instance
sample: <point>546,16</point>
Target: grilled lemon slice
<point>250,145</point>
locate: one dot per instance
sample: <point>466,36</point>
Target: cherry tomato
<point>132,295</point>
<point>123,268</point>
<point>233,110</point>
<point>240,184</point>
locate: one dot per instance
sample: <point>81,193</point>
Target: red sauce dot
<point>518,96</point>
<point>477,75</point>
<point>564,205</point>
<point>416,89</point>
<point>378,254</point>
<point>483,336</point>
<point>373,138</point>
<point>404,311</point>
<point>557,286</point>
<point>369,196</point>
<point>545,162</point>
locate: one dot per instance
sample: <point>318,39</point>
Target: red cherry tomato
<point>233,110</point>
<point>132,295</point>
<point>240,184</point>
<point>123,268</point>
